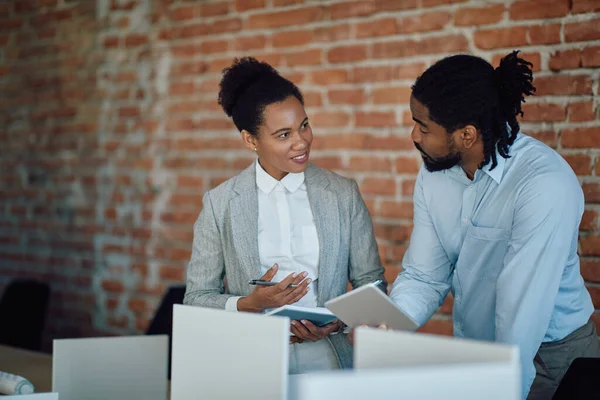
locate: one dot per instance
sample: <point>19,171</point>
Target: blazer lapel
<point>244,218</point>
<point>325,210</point>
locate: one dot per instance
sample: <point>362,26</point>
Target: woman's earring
<point>255,149</point>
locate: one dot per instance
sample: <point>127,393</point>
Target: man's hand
<point>263,297</point>
<point>351,334</point>
<point>306,330</point>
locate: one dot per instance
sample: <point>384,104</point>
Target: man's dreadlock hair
<point>466,90</point>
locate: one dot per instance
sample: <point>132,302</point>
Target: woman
<point>281,219</point>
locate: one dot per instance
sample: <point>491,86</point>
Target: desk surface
<point>36,367</point>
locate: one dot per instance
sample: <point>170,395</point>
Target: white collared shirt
<point>287,234</point>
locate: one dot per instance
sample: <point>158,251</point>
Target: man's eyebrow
<point>420,122</point>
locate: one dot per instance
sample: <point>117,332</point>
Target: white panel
<point>36,396</point>
<point>491,381</point>
<point>112,368</point>
<point>218,354</point>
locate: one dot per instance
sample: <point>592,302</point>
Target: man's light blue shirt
<point>506,245</point>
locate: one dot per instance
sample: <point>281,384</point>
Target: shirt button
<point>465,219</point>
<point>470,187</point>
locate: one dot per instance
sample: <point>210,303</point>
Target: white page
<point>378,348</point>
<point>490,381</point>
<point>112,368</point>
<point>35,396</point>
<point>368,305</point>
<point>218,354</point>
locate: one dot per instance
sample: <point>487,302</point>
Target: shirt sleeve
<point>423,284</point>
<point>231,303</point>
<point>547,214</point>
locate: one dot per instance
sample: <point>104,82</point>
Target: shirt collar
<point>496,173</point>
<point>267,183</point>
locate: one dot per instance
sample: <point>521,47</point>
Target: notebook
<point>317,315</point>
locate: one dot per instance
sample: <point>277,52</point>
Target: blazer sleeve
<point>365,265</point>
<point>206,269</point>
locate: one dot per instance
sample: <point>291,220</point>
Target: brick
<point>396,210</point>
<point>215,124</point>
<point>590,270</point>
<point>584,6</point>
<point>339,141</point>
<point>128,112</point>
<point>395,49</point>
<point>190,31</point>
<point>378,186</point>
<point>567,59</point>
<point>501,37</point>
<point>246,43</point>
<point>394,5</point>
<point>346,96</point>
<point>332,34</point>
<point>407,165</point>
<point>589,221</point>
<point>376,142</point>
<point>380,27</point>
<point>581,111</point>
<point>591,192</point>
<point>282,3</point>
<point>408,71</point>
<point>346,54</point>
<point>137,305</point>
<point>330,119</point>
<point>582,31</point>
<point>329,76</point>
<point>188,68</point>
<point>543,112</point>
<point>285,18</point>
<point>550,138</point>
<point>214,9</point>
<point>245,5</point>
<point>391,95</point>
<point>581,164</point>
<point>538,9</point>
<point>184,13</point>
<point>226,25</point>
<point>350,9</point>
<point>446,307</point>
<point>544,34</point>
<point>591,57</point>
<point>595,294</point>
<point>372,74</point>
<point>370,163</point>
<point>581,138</point>
<point>312,99</point>
<point>330,162</point>
<point>433,3</point>
<point>473,16</point>
<point>408,187</point>
<point>306,57</point>
<point>113,286</point>
<point>393,232</point>
<point>563,85</point>
<point>428,22</point>
<point>172,273</point>
<point>375,119</point>
<point>443,44</point>
<point>292,38</point>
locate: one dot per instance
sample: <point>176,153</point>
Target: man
<point>496,220</point>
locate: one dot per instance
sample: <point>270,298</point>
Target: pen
<point>267,283</point>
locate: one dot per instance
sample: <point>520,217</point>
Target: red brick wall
<point>111,132</point>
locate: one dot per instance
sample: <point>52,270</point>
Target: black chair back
<point>23,308</point>
<point>162,323</point>
<point>581,381</point>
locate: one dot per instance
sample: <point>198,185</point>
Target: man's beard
<point>441,163</point>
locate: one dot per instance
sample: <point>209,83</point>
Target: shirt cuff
<point>231,304</point>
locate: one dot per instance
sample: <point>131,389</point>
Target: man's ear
<point>248,139</point>
<point>469,136</point>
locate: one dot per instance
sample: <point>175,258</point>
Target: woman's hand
<point>306,330</point>
<point>263,297</point>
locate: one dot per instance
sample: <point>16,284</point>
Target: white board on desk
<point>34,396</point>
<point>218,354</point>
<point>472,381</point>
<point>131,368</point>
<point>378,348</point>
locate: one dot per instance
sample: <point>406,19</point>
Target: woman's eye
<point>284,135</point>
<point>423,131</point>
<point>305,125</point>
